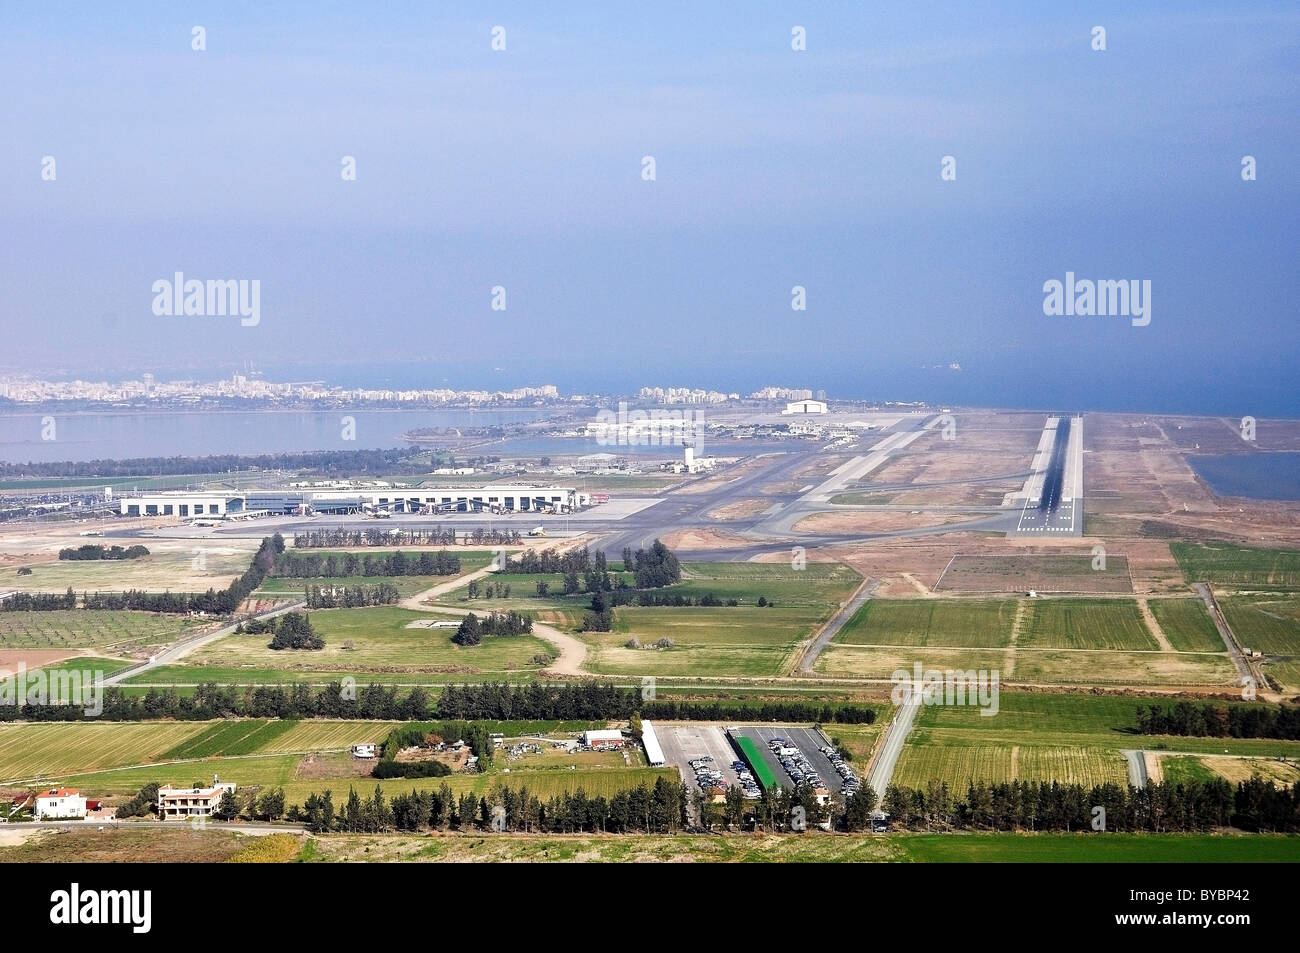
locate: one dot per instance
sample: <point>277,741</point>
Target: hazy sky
<point>775,168</point>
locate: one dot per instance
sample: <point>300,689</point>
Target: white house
<point>59,804</point>
<point>363,751</point>
<point>184,803</point>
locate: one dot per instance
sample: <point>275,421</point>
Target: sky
<point>774,168</point>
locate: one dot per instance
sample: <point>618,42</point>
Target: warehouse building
<point>603,739</point>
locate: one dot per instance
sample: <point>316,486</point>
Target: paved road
<point>836,623</point>
<point>1137,767</point>
<point>1247,676</point>
<point>882,767</point>
<point>185,647</point>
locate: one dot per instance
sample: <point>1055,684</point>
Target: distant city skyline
<point>911,182</point>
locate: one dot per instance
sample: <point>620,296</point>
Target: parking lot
<point>809,741</point>
<point>682,744</point>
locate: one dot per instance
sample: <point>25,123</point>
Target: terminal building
<point>184,504</point>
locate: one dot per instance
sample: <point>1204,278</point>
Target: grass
<point>174,570</point>
<point>174,845</point>
<point>1268,625</point>
<point>813,847</point>
<point>1184,769</point>
<point>381,644</point>
<point>723,640</point>
<point>749,748</point>
<point>1187,625</point>
<point>1238,566</point>
<point>183,844</point>
<point>1086,624</point>
<point>78,628</point>
<point>956,622</point>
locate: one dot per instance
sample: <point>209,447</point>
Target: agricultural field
<point>880,662</point>
<point>1187,625</point>
<point>1042,736</point>
<point>952,622</point>
<point>1066,667</point>
<point>194,568</point>
<point>1238,567</point>
<point>962,765</point>
<point>50,748</point>
<point>1176,768</point>
<point>78,628</point>
<point>380,643</point>
<point>241,736</point>
<point>1042,572</point>
<point>723,640</point>
<point>1085,624</point>
<point>188,676</point>
<point>1266,624</point>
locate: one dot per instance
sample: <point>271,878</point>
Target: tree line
<point>90,551</point>
<point>1220,721</point>
<point>351,597</point>
<point>846,714</point>
<point>339,565</point>
<point>588,700</point>
<point>1052,806</point>
<point>345,462</point>
<point>650,809</point>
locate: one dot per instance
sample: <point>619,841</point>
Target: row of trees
<point>1052,806</point>
<point>762,711</point>
<point>210,700</point>
<point>39,601</point>
<point>336,565</point>
<point>92,552</point>
<point>657,809</point>
<point>549,562</point>
<point>1220,721</point>
<point>628,597</point>
<point>588,700</point>
<point>351,597</point>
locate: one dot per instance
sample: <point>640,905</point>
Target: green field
<point>1085,624</point>
<point>78,628</point>
<point>1268,625</point>
<point>1238,566</point>
<point>922,622</point>
<point>243,736</point>
<point>1187,625</point>
<point>382,647</point>
<point>723,640</point>
<point>754,756</point>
